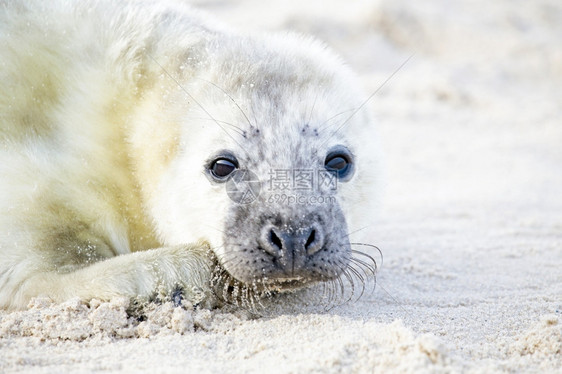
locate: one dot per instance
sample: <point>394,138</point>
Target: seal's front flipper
<point>144,276</point>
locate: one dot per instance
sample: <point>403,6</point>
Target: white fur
<point>100,146</point>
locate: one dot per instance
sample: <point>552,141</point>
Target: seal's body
<point>121,125</point>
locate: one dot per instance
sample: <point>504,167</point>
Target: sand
<point>470,224</point>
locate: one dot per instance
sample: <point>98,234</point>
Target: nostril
<point>275,240</point>
<point>272,240</point>
<point>315,240</point>
<point>310,240</point>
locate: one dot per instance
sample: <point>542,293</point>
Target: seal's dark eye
<point>221,168</point>
<point>339,161</point>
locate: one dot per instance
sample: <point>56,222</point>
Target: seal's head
<point>274,163</point>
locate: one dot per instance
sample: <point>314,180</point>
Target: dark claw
<point>177,296</point>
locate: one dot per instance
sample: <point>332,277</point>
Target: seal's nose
<point>291,246</point>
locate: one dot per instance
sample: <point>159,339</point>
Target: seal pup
<point>137,137</point>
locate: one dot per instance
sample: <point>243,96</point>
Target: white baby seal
<point>137,137</point>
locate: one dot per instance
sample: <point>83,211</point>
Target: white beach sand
<point>470,225</point>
